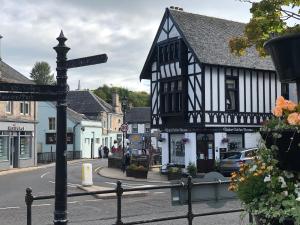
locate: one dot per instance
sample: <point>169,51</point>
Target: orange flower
<point>294,119</point>
<point>277,111</point>
<point>290,105</point>
<point>280,102</point>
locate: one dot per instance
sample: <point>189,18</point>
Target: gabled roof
<point>87,103</point>
<point>139,115</point>
<point>75,116</point>
<point>10,75</point>
<point>208,38</point>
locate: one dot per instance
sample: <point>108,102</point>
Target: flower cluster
<point>267,190</point>
<point>287,109</point>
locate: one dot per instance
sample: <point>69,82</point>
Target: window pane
<point>25,146</point>
<point>230,83</point>
<point>174,103</point>
<point>22,107</point>
<point>165,87</point>
<point>179,87</point>
<point>177,149</point>
<point>8,106</point>
<point>166,104</point>
<point>4,148</point>
<point>26,108</point>
<point>173,86</point>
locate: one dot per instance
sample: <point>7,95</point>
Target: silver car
<point>233,162</point>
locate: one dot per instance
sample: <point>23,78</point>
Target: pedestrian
<point>125,162</point>
<point>100,152</point>
<point>105,150</point>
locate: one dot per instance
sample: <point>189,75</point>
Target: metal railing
<point>119,190</point>
<point>47,157</point>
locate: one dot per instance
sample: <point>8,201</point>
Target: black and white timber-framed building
<point>204,99</point>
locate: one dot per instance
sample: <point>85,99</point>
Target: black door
<point>14,152</point>
<point>205,156</point>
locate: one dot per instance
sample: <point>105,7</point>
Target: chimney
<point>116,102</point>
<point>176,8</point>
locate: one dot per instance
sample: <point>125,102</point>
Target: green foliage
<point>269,17</point>
<point>175,170</point>
<point>40,73</point>
<point>137,99</point>
<point>192,169</point>
<point>135,167</point>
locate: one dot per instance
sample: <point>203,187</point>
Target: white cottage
<point>204,99</point>
<point>84,136</point>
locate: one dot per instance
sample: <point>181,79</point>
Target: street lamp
<point>124,103</point>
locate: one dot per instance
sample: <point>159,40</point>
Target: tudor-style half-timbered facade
<point>205,100</point>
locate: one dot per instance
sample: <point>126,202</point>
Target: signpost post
<point>58,92</point>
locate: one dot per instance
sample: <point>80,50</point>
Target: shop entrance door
<point>205,156</point>
<point>14,152</point>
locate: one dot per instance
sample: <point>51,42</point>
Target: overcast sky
<point>123,29</point>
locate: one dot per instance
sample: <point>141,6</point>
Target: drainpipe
<point>74,139</point>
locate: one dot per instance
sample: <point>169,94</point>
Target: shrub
<point>192,169</point>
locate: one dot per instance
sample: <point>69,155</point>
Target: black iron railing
<point>47,157</point>
<point>119,190</point>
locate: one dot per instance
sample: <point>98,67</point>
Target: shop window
<point>25,147</point>
<point>9,107</point>
<point>231,94</point>
<point>171,96</point>
<point>4,140</point>
<point>25,108</point>
<point>135,128</point>
<point>97,140</point>
<point>177,149</point>
<point>147,128</point>
<point>51,123</point>
<point>235,142</point>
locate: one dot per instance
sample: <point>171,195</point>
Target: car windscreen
<point>235,156</point>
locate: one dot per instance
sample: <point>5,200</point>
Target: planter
<point>137,173</point>
<point>174,176</point>
<point>288,148</point>
<point>261,221</point>
<point>285,54</point>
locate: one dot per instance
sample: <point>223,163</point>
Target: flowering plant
<point>267,191</point>
<point>184,140</point>
<point>225,140</point>
<point>286,116</point>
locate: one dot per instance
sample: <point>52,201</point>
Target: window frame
<point>10,104</point>
<point>51,124</point>
<point>236,93</point>
<point>135,128</point>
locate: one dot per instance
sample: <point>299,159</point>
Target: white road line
<point>52,182</point>
<point>131,185</point>
<point>44,174</point>
<point>97,169</point>
<point>16,207</point>
<point>46,204</point>
<point>73,202</point>
<point>159,192</point>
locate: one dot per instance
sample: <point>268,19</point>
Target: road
<point>87,210</point>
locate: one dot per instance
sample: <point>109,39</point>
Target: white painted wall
<point>165,148</point>
<point>141,128</point>
<point>219,144</point>
<point>252,139</point>
<point>190,149</point>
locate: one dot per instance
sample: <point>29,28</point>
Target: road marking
<point>16,207</point>
<point>73,202</point>
<point>159,192</point>
<point>97,169</point>
<point>131,185</point>
<point>44,174</point>
<point>52,182</point>
<point>46,204</point>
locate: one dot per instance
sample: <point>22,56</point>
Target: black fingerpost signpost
<point>58,93</point>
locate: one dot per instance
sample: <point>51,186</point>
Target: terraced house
<point>17,125</point>
<point>204,99</point>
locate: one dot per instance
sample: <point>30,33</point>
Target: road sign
<point>86,61</point>
<point>124,127</point>
<point>29,96</point>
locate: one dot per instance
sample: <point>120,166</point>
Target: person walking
<point>100,152</point>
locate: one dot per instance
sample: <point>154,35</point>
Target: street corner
<point>112,194</point>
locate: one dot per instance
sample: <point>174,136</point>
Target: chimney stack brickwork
<point>116,104</point>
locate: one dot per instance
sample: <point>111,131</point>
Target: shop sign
<point>51,138</point>
<point>237,129</point>
<point>15,128</point>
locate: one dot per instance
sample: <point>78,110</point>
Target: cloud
<point>124,29</point>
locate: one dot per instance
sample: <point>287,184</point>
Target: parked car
<point>233,162</point>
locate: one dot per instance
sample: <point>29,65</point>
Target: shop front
<point>16,145</point>
<point>205,148</point>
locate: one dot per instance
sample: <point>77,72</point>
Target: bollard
<point>28,201</point>
<point>87,174</point>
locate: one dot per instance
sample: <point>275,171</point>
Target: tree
<point>269,18</point>
<point>40,73</point>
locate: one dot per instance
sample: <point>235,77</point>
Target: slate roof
<point>87,103</point>
<point>209,37</point>
<point>75,116</point>
<point>10,75</point>
<point>138,115</point>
